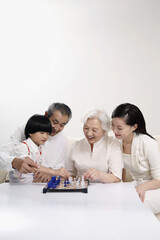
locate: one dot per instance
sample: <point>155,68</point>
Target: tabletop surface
<point>107,211</point>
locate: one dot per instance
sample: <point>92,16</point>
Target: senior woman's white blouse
<point>106,157</point>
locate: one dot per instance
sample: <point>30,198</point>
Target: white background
<point>85,53</point>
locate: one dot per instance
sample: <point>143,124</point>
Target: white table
<point>108,211</point>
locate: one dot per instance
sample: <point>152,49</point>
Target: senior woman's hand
<point>92,174</point>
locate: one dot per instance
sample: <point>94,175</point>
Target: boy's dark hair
<point>37,123</point>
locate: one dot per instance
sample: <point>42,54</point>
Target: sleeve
<point>153,155</point>
<point>115,159</point>
<point>70,165</point>
<point>21,150</point>
<point>7,150</point>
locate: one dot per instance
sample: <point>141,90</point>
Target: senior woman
<point>97,157</point>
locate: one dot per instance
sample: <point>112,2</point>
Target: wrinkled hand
<point>92,174</point>
<point>63,173</point>
<point>24,165</point>
<point>141,192</point>
<point>41,177</point>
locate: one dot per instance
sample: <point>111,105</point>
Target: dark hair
<point>38,123</point>
<point>63,108</point>
<point>132,115</point>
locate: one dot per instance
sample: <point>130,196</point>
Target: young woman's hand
<point>141,192</point>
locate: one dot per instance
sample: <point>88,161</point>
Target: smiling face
<point>93,131</point>
<point>122,130</point>
<point>39,138</point>
<point>58,122</point>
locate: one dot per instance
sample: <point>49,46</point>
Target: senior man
<point>59,115</point>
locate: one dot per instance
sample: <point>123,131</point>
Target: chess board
<point>58,184</point>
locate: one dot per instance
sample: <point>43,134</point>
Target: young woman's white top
<point>144,161</point>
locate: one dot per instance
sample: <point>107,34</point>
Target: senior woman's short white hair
<point>101,115</point>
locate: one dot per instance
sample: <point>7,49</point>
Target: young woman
<point>140,152</point>
<point>97,156</point>
<point>37,132</point>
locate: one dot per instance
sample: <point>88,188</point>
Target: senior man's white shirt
<point>55,156</point>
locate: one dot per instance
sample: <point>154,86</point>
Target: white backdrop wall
<point>85,53</point>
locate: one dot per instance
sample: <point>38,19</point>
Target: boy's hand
<point>41,177</point>
<point>62,172</point>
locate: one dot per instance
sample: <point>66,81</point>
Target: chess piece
<point>82,182</point>
<point>77,184</point>
<point>65,184</point>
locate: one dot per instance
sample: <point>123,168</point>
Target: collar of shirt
<point>97,144</point>
<point>33,146</point>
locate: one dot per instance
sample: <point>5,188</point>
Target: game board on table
<point>58,184</point>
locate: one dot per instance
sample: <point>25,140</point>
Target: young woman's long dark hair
<point>131,115</point>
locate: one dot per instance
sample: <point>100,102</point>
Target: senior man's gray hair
<point>101,115</point>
